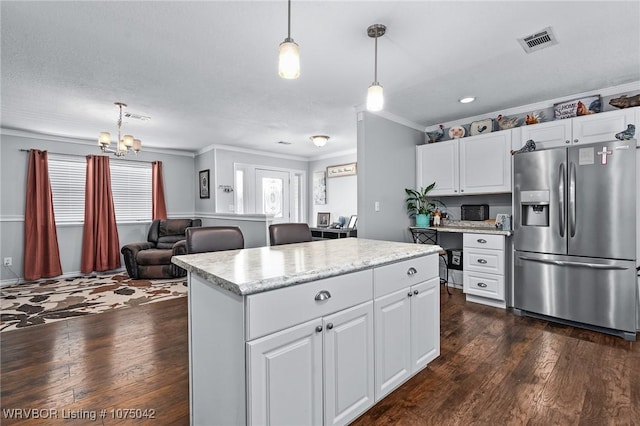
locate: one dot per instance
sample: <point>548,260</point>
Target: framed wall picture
<point>323,220</point>
<point>353,220</point>
<point>341,170</point>
<point>319,188</point>
<point>204,183</point>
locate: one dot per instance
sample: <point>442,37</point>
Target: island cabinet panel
<point>303,348</point>
<point>275,310</point>
<point>425,324</point>
<point>285,377</point>
<point>348,364</point>
<point>406,322</point>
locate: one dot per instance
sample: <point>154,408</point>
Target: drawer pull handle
<point>482,285</point>
<point>483,261</point>
<point>409,294</point>
<point>329,326</point>
<point>412,271</point>
<point>319,329</point>
<point>323,295</point>
<point>482,241</point>
<point>415,292</point>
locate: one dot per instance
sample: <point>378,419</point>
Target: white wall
<point>341,192</point>
<point>179,184</point>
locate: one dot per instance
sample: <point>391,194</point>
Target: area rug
<point>42,302</point>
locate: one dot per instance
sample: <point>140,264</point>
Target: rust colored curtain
<point>41,253</point>
<point>100,243</point>
<point>158,207</point>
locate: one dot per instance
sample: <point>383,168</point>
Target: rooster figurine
<point>627,134</point>
<point>436,135</point>
<point>534,118</point>
<point>529,146</point>
<point>505,123</point>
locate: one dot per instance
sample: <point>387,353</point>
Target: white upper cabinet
<point>438,162</point>
<point>473,165</point>
<point>485,163</point>
<point>579,130</point>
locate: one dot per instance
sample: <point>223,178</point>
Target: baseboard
<point>21,280</point>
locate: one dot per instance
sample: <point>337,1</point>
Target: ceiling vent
<point>136,116</point>
<point>539,40</point>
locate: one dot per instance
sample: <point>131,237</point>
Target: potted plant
<point>419,205</point>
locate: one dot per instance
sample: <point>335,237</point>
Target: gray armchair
<point>152,258</point>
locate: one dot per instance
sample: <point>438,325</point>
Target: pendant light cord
<point>375,62</point>
<point>119,125</point>
<point>289,22</point>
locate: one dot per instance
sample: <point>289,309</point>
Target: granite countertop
<point>470,227</point>
<point>261,269</point>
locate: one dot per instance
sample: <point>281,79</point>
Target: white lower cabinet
<point>293,371</point>
<point>484,269</point>
<point>407,331</point>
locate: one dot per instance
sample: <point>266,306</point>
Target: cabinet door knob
<point>323,295</point>
<point>329,326</point>
<point>483,261</point>
<point>567,141</point>
<point>483,285</point>
<point>462,190</point>
<point>412,271</point>
<point>415,292</point>
<point>409,294</point>
<point>575,141</point>
<point>455,190</point>
<point>319,329</point>
<point>482,241</point>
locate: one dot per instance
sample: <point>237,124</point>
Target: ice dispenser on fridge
<point>535,208</point>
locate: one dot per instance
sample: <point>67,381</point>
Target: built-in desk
<point>332,233</point>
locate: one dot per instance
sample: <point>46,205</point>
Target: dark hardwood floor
<point>495,368</point>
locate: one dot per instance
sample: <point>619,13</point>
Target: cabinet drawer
<point>483,241</point>
<point>484,285</point>
<point>282,308</point>
<point>487,261</point>
<point>394,277</point>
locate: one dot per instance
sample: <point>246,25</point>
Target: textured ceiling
<point>206,72</point>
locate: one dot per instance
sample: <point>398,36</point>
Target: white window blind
<point>67,177</point>
<point>131,188</point>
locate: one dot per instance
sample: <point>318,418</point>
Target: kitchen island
<point>310,333</point>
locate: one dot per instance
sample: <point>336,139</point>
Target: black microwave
<point>474,212</point>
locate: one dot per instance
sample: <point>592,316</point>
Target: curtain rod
<point>77,155</point>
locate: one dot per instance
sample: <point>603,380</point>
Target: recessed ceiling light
<point>467,100</point>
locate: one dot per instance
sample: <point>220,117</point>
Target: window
<point>67,177</point>
<point>131,188</point>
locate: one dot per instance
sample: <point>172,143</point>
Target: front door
<point>272,194</point>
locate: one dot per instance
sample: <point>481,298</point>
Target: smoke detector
<point>538,41</point>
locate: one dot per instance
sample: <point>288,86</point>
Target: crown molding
<point>251,151</point>
<point>68,139</point>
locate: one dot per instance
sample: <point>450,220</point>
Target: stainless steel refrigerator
<point>574,235</point>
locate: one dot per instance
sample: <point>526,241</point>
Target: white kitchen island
<point>310,333</point>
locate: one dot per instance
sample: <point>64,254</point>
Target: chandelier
<point>124,145</point>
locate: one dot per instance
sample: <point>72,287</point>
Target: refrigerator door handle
<point>561,195</point>
<point>572,200</point>
<point>579,264</point>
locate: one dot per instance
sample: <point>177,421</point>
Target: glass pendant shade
<point>122,146</point>
<point>104,139</point>
<point>137,145</point>
<point>319,140</point>
<point>375,98</point>
<point>128,141</point>
<point>289,63</point>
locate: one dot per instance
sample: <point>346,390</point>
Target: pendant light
<point>289,62</point>
<point>124,144</point>
<point>375,98</point>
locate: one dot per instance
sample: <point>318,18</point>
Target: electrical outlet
<point>8,261</point>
